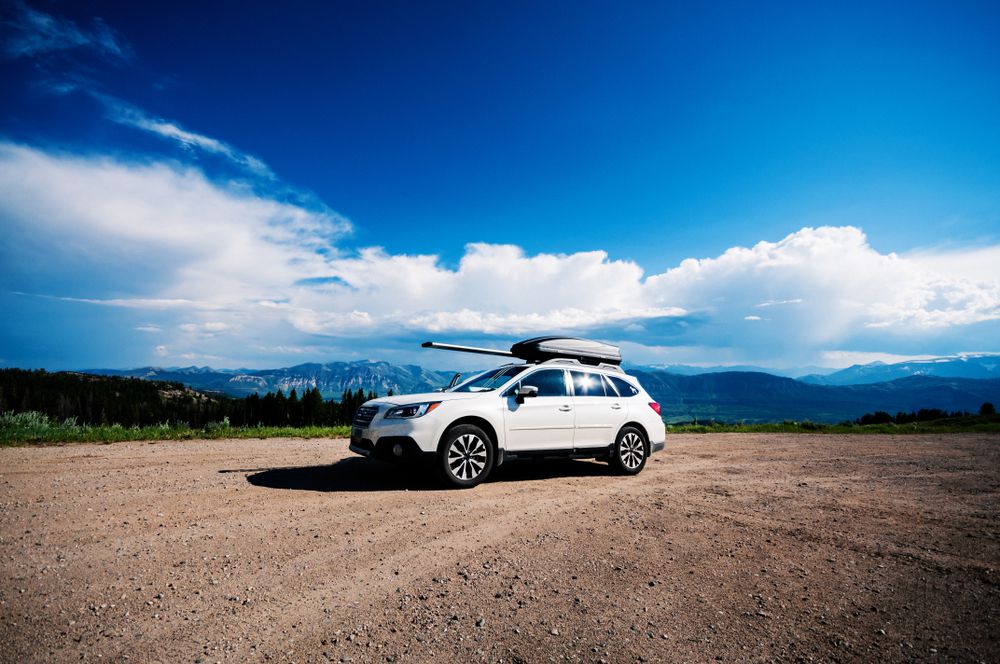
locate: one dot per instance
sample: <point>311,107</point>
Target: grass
<point>33,428</point>
<point>970,424</point>
<point>36,428</point>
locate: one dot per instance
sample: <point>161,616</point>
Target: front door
<point>544,422</point>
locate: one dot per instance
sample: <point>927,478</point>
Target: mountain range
<point>759,397</point>
<point>962,383</point>
<point>961,366</point>
<point>331,378</point>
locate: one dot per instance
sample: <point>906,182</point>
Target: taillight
<point>655,406</point>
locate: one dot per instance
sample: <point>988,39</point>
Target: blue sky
<point>241,185</point>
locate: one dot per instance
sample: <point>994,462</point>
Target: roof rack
<point>540,349</point>
<point>603,365</point>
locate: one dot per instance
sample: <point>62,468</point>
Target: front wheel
<point>465,456</point>
<point>630,452</point>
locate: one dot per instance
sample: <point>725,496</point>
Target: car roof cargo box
<point>539,349</point>
<point>586,351</point>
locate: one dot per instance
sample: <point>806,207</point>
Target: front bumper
<point>389,448</point>
<point>397,439</point>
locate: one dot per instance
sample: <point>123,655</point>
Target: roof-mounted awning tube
<point>539,349</point>
<point>467,349</point>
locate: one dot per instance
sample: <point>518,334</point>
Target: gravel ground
<point>727,547</point>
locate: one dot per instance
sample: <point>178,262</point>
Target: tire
<point>465,456</point>
<point>628,457</point>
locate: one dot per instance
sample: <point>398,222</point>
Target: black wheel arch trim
<point>642,430</point>
<point>476,422</point>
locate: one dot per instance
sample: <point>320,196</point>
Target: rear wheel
<point>630,452</point>
<point>465,456</point>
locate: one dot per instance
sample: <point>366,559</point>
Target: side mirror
<point>526,391</point>
<point>454,381</point>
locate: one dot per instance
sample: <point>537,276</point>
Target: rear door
<point>544,422</point>
<point>600,412</point>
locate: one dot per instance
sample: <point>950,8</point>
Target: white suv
<point>552,408</point>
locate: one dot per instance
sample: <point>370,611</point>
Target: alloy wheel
<point>631,451</point>
<point>467,457</point>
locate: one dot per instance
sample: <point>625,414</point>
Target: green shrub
<point>33,427</point>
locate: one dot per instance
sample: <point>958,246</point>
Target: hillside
<point>760,397</point>
<point>87,399</point>
<point>693,370</point>
<point>93,399</point>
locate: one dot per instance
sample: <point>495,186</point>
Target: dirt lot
<point>728,547</point>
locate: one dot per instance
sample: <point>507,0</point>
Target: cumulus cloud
<point>837,283</point>
<point>29,33</point>
<point>233,268</point>
<point>496,289</point>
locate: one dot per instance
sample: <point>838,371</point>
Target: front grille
<point>364,416</point>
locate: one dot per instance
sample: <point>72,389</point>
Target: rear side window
<point>624,387</point>
<point>587,384</point>
<point>550,382</point>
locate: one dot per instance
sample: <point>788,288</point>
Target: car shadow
<point>368,475</point>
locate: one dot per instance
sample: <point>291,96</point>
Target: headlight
<point>411,411</point>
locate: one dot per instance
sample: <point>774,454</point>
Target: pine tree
<point>312,407</point>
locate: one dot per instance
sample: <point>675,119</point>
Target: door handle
<point>565,408</point>
<point>616,406</point>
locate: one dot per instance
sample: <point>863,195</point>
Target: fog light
<point>397,449</point>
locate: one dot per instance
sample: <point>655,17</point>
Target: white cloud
<point>975,264</point>
<point>161,351</point>
<point>497,289</point>
<point>132,116</point>
<point>200,357</point>
<point>149,327</point>
<point>776,303</point>
<point>838,283</point>
<point>846,358</point>
<point>29,33</point>
<point>229,269</point>
<point>206,329</point>
<point>144,303</point>
<point>210,246</point>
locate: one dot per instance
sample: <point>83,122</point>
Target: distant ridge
<point>760,397</point>
<point>961,366</point>
<point>331,378</point>
<point>729,396</point>
<point>693,370</point>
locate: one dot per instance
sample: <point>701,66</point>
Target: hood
<point>406,399</point>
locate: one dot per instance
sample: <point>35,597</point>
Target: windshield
<point>490,380</point>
